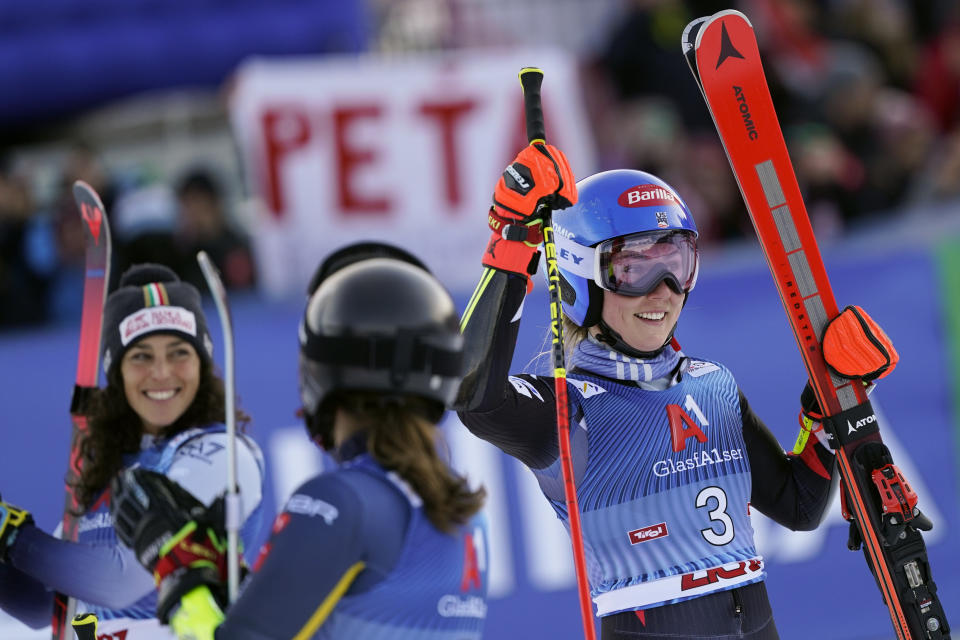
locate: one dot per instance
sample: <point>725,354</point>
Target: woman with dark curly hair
<point>163,409</point>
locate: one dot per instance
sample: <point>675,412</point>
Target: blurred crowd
<point>42,244</point>
<point>867,91</point>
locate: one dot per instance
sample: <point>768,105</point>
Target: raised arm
<point>516,415</point>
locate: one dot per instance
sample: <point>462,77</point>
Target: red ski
<point>95,283</point>
<point>723,56</point>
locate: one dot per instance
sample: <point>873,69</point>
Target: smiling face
<point>644,322</point>
<point>161,374</point>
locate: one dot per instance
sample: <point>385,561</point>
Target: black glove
<point>148,508</point>
<point>11,520</point>
<point>174,536</point>
<point>811,421</point>
<point>809,404</point>
<point>810,411</point>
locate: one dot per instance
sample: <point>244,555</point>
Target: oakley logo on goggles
<point>636,264</point>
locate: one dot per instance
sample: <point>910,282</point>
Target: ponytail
<point>401,438</point>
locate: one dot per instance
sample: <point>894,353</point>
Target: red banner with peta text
<point>405,150</point>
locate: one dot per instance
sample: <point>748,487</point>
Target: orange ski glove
<point>855,347</point>
<point>539,176</point>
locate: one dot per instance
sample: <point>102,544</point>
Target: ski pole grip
<point>530,79</point>
<point>85,626</point>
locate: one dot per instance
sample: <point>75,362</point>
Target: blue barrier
<point>818,588</point>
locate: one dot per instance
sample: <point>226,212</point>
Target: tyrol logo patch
<point>651,532</point>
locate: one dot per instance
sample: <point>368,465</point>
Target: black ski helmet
<point>377,321</point>
<point>355,253</point>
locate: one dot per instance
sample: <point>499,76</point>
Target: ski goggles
<point>636,264</point>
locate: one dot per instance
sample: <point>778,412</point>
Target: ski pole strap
<point>514,229</point>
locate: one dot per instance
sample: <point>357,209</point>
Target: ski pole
<point>232,499</point>
<point>85,626</point>
<point>530,79</point>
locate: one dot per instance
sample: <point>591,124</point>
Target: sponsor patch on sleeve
<point>524,388</point>
<point>312,507</point>
<point>699,368</point>
<point>585,387</point>
<point>203,449</point>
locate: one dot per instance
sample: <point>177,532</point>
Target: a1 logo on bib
<point>682,425</point>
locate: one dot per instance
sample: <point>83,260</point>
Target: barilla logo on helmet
<point>157,319</point>
<point>647,195</point>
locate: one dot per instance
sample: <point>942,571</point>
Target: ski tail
<point>96,280</point>
<point>688,44</point>
<point>724,58</point>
